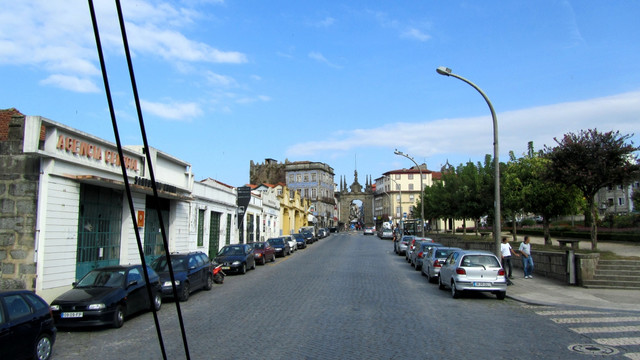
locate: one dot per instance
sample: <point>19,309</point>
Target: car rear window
<point>443,253</point>
<point>480,260</point>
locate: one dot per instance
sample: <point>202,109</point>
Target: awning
<point>118,184</point>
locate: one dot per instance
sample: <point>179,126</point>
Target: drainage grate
<point>593,349</point>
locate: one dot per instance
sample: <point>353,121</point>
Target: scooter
<point>218,274</point>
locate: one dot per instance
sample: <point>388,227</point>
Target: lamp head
<point>443,71</point>
<point>398,152</point>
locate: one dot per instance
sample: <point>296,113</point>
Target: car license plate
<point>69,315</point>
<point>481,284</point>
<point>226,267</point>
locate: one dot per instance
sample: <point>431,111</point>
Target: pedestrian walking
<point>527,259</point>
<point>507,251</point>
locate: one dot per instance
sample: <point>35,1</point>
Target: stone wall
<point>18,201</point>
<point>550,264</point>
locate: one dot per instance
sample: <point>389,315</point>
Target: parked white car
<point>293,244</point>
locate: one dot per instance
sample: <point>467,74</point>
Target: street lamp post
<point>421,188</point>
<point>496,161</point>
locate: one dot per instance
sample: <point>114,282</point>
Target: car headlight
<point>235,263</point>
<point>55,307</point>
<point>98,306</point>
<point>168,283</point>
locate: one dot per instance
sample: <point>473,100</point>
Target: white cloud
<point>71,83</point>
<point>56,37</point>
<point>220,80</point>
<point>172,110</point>
<point>416,34</point>
<point>326,22</point>
<point>473,137</point>
<point>249,100</point>
<point>320,58</point>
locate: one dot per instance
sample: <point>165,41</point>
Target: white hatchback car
<point>472,270</point>
<point>293,244</point>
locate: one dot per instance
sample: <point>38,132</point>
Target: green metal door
<point>214,234</point>
<point>99,223</point>
<point>153,244</point>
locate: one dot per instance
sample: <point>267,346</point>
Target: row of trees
<point>559,180</point>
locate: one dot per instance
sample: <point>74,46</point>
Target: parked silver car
<point>472,270</point>
<point>432,262</point>
<point>412,246</point>
<point>420,250</point>
<point>401,245</point>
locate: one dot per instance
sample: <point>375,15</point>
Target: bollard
<point>571,260</point>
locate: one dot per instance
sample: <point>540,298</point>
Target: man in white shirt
<point>506,250</point>
<point>527,260</point>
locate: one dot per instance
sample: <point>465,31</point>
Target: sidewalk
<point>545,291</point>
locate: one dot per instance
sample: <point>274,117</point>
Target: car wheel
<point>184,294</point>
<point>455,293</point>
<point>157,301</point>
<point>264,260</point>
<point>253,267</point>
<point>118,317</point>
<point>501,295</point>
<point>243,269</point>
<point>43,347</point>
<point>440,284</point>
<point>273,258</point>
<point>209,284</point>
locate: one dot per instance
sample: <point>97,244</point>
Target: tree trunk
<point>545,231</point>
<point>464,226</point>
<point>594,224</point>
<point>515,230</point>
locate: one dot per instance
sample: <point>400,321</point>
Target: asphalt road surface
<point>345,296</point>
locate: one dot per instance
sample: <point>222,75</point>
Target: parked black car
<point>237,258</point>
<point>281,245</point>
<point>308,236</point>
<point>300,240</point>
<point>27,329</point>
<point>105,296</point>
<point>192,271</point>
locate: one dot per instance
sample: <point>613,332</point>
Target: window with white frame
<point>410,176</point>
<point>620,201</point>
<point>411,197</point>
<point>410,187</point>
<point>397,176</point>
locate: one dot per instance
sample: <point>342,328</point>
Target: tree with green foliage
<point>529,190</point>
<point>591,160</point>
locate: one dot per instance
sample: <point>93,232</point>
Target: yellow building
<point>294,210</point>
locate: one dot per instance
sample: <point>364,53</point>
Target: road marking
<point>595,320</point>
<point>606,329</point>
<point>619,341</point>
<point>633,356</point>
<point>569,312</point>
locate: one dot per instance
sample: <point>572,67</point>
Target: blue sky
<point>224,82</point>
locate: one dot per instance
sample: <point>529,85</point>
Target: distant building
<point>314,181</point>
<point>617,199</point>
